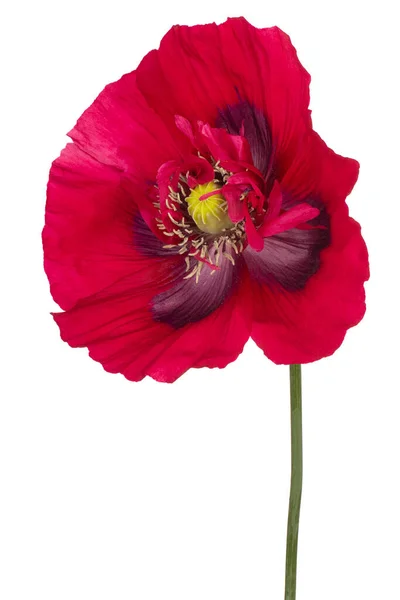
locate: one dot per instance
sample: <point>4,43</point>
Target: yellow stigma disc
<point>209,214</point>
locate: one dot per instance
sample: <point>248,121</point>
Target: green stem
<point>295,482</point>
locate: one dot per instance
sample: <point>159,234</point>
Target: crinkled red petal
<point>309,324</point>
<point>117,327</point>
<point>87,238</point>
<point>198,70</point>
<point>120,129</point>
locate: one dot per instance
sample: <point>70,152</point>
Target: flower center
<point>208,208</point>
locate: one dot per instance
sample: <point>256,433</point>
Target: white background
<point>114,490</point>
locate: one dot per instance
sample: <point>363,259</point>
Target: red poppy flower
<point>196,207</point>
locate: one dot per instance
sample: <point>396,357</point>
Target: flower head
<point>196,207</point>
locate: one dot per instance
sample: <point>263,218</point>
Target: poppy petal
<point>121,130</point>
<point>88,228</point>
<point>197,289</point>
<point>202,70</point>
<point>120,332</point>
<point>248,121</point>
<point>187,76</point>
<point>308,324</point>
<point>190,300</point>
<point>297,215</point>
<point>316,170</point>
<point>288,259</point>
<point>264,66</point>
